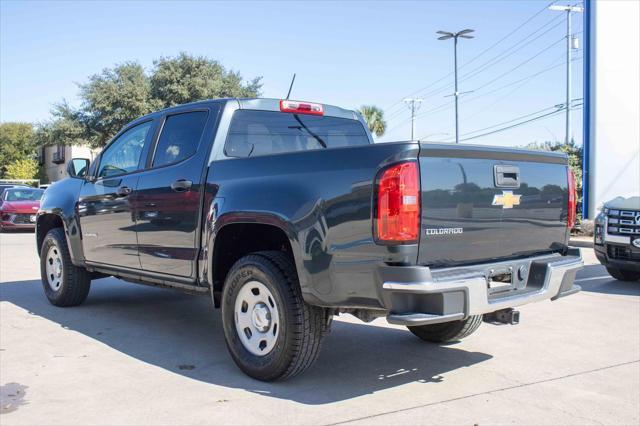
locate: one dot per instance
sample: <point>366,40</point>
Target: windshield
<point>23,194</point>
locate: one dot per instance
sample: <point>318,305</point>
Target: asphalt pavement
<point>140,355</point>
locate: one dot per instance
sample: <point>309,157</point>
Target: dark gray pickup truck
<point>287,214</point>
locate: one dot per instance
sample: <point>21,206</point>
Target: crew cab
<point>286,214</point>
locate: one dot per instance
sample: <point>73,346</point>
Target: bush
<point>26,168</point>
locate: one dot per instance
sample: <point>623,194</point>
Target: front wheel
<point>448,331</point>
<point>270,331</point>
<point>64,283</point>
<point>624,274</point>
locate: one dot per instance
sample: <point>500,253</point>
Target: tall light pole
<point>568,9</point>
<point>414,105</point>
<point>445,35</point>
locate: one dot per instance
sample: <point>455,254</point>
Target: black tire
<point>623,275</point>
<point>447,331</point>
<point>302,326</point>
<point>73,283</point>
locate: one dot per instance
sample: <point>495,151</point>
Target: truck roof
<point>264,104</point>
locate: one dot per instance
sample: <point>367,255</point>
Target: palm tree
<point>374,117</point>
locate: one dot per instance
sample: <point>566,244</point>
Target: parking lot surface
<point>140,355</point>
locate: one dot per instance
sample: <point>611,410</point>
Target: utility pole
<point>445,35</point>
<point>570,40</point>
<point>414,105</point>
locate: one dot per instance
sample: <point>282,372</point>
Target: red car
<point>18,208</point>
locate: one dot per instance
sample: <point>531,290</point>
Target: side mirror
<point>78,167</point>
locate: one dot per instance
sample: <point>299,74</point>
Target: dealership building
<point>612,102</point>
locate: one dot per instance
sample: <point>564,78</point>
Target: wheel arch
<point>247,234</point>
<point>48,220</point>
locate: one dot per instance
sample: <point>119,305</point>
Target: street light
<point>446,35</point>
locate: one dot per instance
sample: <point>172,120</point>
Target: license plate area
<point>500,280</point>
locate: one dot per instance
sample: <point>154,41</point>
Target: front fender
<point>60,201</point>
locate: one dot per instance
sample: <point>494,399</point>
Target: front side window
<point>255,133</point>
<point>123,155</point>
<point>180,137</point>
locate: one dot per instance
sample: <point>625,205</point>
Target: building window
<point>58,154</point>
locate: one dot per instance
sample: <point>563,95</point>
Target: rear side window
<point>180,137</point>
<point>254,133</point>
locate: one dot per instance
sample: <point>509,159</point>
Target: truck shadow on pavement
<point>596,279</point>
<point>183,334</point>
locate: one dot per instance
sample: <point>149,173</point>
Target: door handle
<point>506,176</point>
<point>181,185</point>
<point>123,191</point>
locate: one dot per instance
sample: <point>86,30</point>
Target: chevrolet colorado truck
<point>617,238</point>
<point>286,213</point>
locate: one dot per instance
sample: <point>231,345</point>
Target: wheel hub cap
<point>256,318</point>
<point>54,268</point>
<point>261,317</point>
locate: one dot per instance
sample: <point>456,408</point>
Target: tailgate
<point>482,204</point>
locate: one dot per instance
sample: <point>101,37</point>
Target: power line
<point>503,55</point>
<point>520,64</point>
<point>473,98</point>
<point>522,82</point>
<point>556,110</point>
<point>521,123</point>
<point>520,26</point>
<point>557,107</point>
<point>414,105</point>
<point>497,59</point>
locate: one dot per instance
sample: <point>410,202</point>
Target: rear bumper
<point>420,296</point>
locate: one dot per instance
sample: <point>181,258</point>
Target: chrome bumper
<point>456,293</point>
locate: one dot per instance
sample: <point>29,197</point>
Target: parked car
<point>617,237</point>
<point>285,213</point>
<point>4,186</point>
<point>18,207</point>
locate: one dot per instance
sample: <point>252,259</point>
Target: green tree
<point>66,128</point>
<point>110,100</point>
<point>374,117</point>
<point>118,95</point>
<point>24,168</point>
<point>17,141</point>
<point>187,78</point>
<point>573,151</point>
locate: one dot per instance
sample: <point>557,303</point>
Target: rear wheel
<point>624,274</point>
<point>64,283</point>
<point>447,331</point>
<point>270,331</point>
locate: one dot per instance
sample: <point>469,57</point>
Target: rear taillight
<point>301,107</point>
<point>571,205</point>
<point>398,204</point>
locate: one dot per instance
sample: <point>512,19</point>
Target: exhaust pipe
<point>503,316</point>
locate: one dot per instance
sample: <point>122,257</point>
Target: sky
<point>344,53</point>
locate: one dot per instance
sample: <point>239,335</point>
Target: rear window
<point>255,133</point>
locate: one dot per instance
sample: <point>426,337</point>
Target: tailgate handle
<point>506,176</point>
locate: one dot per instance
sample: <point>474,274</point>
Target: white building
<point>54,159</point>
<point>612,102</point>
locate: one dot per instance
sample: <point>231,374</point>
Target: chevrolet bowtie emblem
<point>507,200</point>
